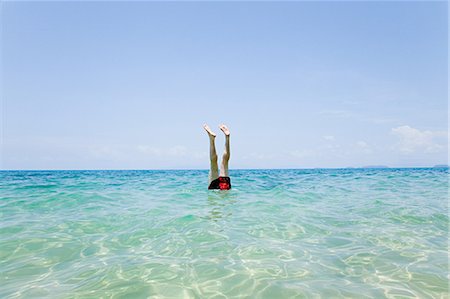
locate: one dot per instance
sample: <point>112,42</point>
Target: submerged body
<point>222,183</point>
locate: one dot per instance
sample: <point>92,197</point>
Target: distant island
<point>384,166</point>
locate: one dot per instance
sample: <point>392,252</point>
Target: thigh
<point>224,168</point>
<point>213,173</point>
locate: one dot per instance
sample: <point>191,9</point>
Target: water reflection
<point>220,202</point>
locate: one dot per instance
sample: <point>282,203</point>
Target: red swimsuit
<point>222,183</point>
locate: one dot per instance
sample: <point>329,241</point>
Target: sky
<point>128,85</point>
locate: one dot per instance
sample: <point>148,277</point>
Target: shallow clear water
<point>354,233</point>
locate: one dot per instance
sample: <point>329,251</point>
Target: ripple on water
<point>277,234</point>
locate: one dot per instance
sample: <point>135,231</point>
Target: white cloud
<point>329,138</point>
<point>413,140</point>
<point>146,149</point>
<point>177,151</point>
<point>362,146</point>
<point>106,152</point>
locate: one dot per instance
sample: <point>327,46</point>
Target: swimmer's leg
<point>214,168</point>
<point>226,153</point>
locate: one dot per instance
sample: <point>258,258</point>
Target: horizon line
<point>206,169</point>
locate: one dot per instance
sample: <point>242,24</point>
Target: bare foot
<point>210,133</point>
<point>225,130</point>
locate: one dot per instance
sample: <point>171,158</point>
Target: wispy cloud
<point>177,151</point>
<point>304,153</point>
<point>338,113</point>
<point>362,146</point>
<point>357,116</point>
<point>147,149</point>
<point>413,140</point>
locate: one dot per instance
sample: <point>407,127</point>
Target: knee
<point>226,157</point>
<point>214,158</point>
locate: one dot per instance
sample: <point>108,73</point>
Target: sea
<point>300,233</point>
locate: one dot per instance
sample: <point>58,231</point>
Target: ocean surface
<point>341,233</point>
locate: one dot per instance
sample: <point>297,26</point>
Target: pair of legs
<point>214,170</point>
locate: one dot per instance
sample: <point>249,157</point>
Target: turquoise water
<point>349,233</point>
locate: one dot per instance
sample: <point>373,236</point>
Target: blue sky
<point>117,85</point>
